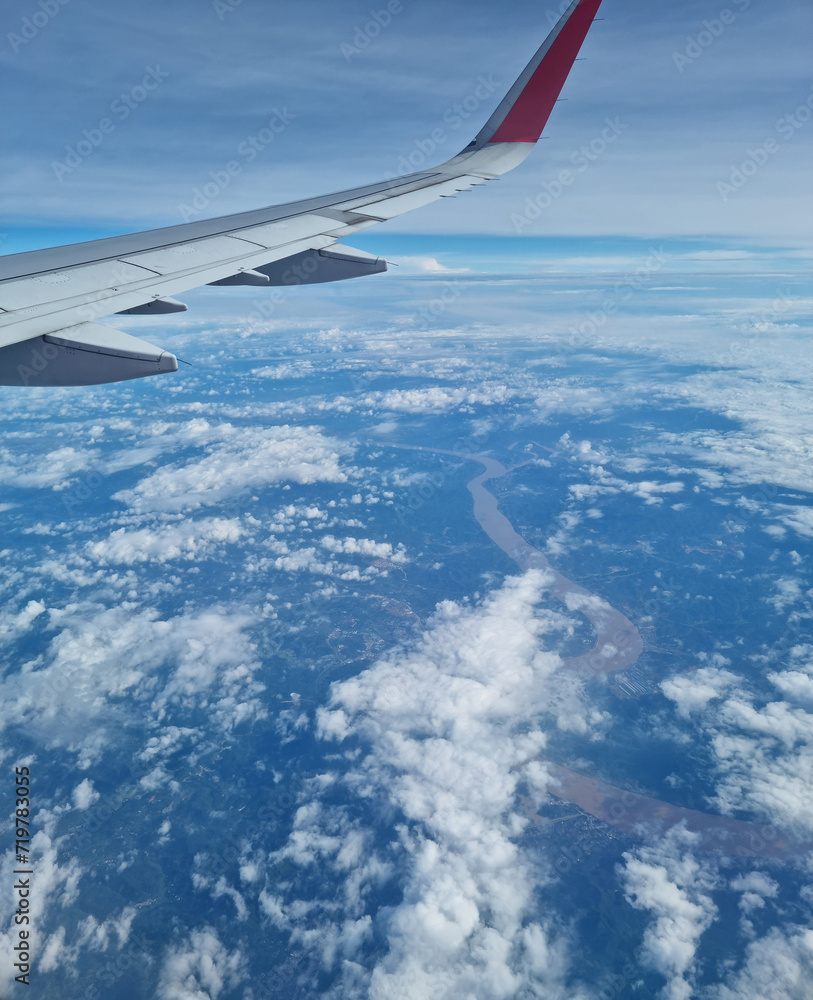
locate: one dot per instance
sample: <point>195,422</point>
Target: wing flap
<point>87,354</point>
<point>314,267</point>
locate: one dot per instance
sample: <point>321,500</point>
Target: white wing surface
<point>51,301</point>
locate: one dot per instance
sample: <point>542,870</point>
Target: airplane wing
<point>51,300</point>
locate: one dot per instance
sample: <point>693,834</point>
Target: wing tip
<point>524,112</point>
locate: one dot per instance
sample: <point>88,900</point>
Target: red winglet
<point>525,118</point>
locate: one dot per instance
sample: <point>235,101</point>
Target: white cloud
<point>103,661</point>
<point>787,591</point>
<point>52,470</point>
<point>800,519</point>
<point>666,879</point>
<point>562,396</point>
<point>188,540</point>
<point>84,795</point>
<point>55,953</point>
<point>692,692</point>
<point>222,888</point>
<point>451,728</point>
<point>439,399</point>
<point>200,968</point>
<point>112,932</point>
<point>755,888</point>
<point>648,491</point>
<point>427,265</point>
<point>797,684</point>
<point>367,548</point>
<point>12,626</point>
<point>238,459</point>
<point>773,404</point>
<point>286,370</point>
<point>778,966</point>
<point>762,750</point>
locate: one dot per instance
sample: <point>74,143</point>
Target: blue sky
<point>690,106</point>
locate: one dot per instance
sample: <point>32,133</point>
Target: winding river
<point>618,642</point>
<point>618,646</point>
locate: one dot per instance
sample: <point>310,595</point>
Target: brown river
<point>618,645</point>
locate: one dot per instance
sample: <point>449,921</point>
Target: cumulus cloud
<point>367,548</point>
<point>427,265</point>
<point>755,887</point>
<point>566,396</point>
<point>799,519</point>
<point>796,684</point>
<point>439,399</point>
<point>286,370</point>
<point>91,934</point>
<point>778,966</point>
<point>648,491</point>
<point>787,591</point>
<point>200,968</point>
<point>84,795</point>
<point>694,691</point>
<point>320,560</point>
<point>53,470</point>
<point>102,660</point>
<point>220,887</point>
<point>595,461</point>
<point>237,459</point>
<point>762,750</point>
<point>188,540</point>
<point>775,444</point>
<point>12,626</point>
<point>451,729</point>
<point>666,880</point>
